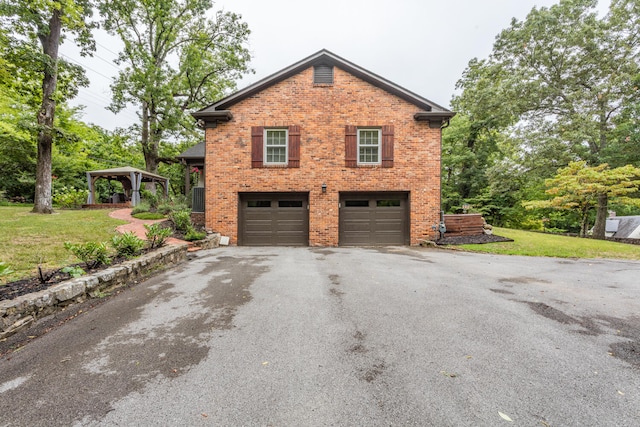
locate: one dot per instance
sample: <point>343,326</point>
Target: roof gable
<point>195,152</point>
<point>628,226</point>
<point>219,110</point>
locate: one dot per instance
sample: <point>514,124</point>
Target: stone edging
<point>21,312</point>
<point>210,242</point>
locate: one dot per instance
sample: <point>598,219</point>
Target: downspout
<point>442,228</point>
<point>444,117</point>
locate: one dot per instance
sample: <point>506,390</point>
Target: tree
<point>175,60</point>
<point>468,153</point>
<point>565,69</point>
<point>17,146</point>
<point>579,187</point>
<point>29,23</point>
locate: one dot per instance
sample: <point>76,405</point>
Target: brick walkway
<point>136,225</point>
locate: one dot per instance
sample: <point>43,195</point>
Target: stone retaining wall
<point>21,312</point>
<point>210,242</point>
<point>623,240</point>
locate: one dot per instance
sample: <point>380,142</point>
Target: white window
<point>368,146</point>
<point>275,146</point>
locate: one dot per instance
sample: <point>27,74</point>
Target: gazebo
<point>131,179</point>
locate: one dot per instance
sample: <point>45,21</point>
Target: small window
<point>289,203</point>
<point>356,203</point>
<point>387,203</point>
<point>259,203</point>
<point>323,74</point>
<point>275,146</point>
<point>369,146</point>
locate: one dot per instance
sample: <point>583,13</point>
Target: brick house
<point>323,153</point>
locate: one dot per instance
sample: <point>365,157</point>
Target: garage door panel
<point>358,238</point>
<point>374,219</point>
<point>357,224</point>
<point>289,226</point>
<point>285,239</point>
<point>389,227</point>
<point>273,219</point>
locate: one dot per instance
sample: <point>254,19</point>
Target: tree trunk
<point>50,43</point>
<point>149,141</point>
<point>584,223</point>
<point>601,217</point>
<point>603,201</point>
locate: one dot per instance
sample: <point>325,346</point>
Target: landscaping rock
<point>21,312</point>
<point>68,290</point>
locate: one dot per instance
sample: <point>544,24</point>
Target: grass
<point>149,215</point>
<point>529,243</point>
<point>29,239</point>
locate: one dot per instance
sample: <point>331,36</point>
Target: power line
<point>107,49</point>
<point>84,66</point>
<point>107,62</point>
<point>94,94</point>
<point>85,97</point>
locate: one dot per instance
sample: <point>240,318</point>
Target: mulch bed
<point>49,278</point>
<point>472,240</point>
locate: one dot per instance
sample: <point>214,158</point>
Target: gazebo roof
<point>124,174</point>
<point>126,171</point>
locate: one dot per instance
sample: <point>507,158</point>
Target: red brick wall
<point>322,113</point>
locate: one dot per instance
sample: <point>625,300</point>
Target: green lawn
<point>539,244</point>
<point>28,239</point>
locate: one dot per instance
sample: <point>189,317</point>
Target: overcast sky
<point>422,45</point>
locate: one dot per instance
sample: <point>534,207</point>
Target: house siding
<point>322,112</point>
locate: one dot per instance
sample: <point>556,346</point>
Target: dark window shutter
<point>351,146</point>
<point>387,146</point>
<point>294,147</point>
<point>257,146</point>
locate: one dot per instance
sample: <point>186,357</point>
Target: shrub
<point>4,269</point>
<point>176,203</point>
<point>157,235</point>
<point>70,198</point>
<point>151,198</point>
<point>182,220</point>
<point>127,244</point>
<point>141,207</point>
<point>73,271</point>
<point>192,235</point>
<point>93,254</point>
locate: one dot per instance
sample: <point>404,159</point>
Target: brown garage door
<point>273,219</point>
<point>375,219</point>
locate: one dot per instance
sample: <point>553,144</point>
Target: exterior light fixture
<point>324,187</point>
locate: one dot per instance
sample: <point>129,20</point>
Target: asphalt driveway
<point>344,336</point>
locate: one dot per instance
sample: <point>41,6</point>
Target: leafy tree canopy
<point>565,79</point>
<point>578,187</point>
<point>32,32</point>
<point>175,59</point>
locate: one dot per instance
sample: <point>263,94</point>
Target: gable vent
<point>323,74</point>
